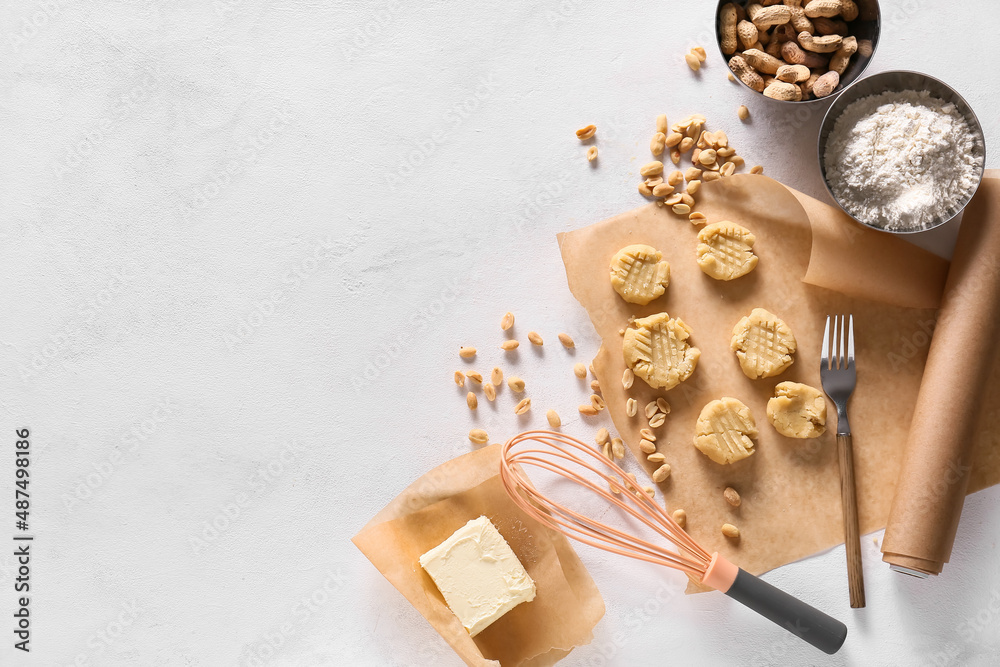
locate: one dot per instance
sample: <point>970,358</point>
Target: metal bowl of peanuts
<point>901,80</point>
<point>797,51</point>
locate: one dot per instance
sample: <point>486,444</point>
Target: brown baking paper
<point>567,604</point>
<point>939,453</point>
<point>790,488</point>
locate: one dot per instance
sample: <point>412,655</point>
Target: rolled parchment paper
<point>938,459</point>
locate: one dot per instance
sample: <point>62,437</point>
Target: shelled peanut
<point>711,156</point>
<point>790,50</point>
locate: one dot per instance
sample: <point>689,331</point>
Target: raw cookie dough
<point>763,343</point>
<point>724,431</point>
<point>797,410</point>
<point>658,352</point>
<point>638,273</point>
<point>725,250</point>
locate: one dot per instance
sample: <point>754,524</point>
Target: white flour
<point>901,160</point>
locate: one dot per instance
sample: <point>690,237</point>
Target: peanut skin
<point>747,33</point>
<point>746,74</point>
<point>799,20</point>
<point>792,73</point>
<point>827,8</point>
<point>825,26</point>
<point>761,61</point>
<point>824,44</point>
<point>826,84</point>
<point>779,90</point>
<point>771,16</point>
<point>727,28</point>
<point>850,10</point>
<point>840,59</point>
<point>794,55</point>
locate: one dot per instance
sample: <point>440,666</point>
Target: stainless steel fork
<point>839,375</point>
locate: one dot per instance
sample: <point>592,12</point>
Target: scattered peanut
<point>647,447</point>
<point>654,168</point>
<point>471,401</point>
<point>731,496</point>
<point>687,143</point>
<point>680,517</point>
<point>729,530</point>
<point>523,406</point>
<point>656,457</point>
<point>491,391</point>
<point>466,352</point>
<point>602,436</point>
<point>475,377</point>
<point>496,377</point>
<point>631,407</point>
<point>692,61</point>
<point>585,133</point>
<point>710,176</point>
<point>757,169</point>
<point>617,448</point>
<point>697,218</point>
<point>647,434</point>
<point>662,190</point>
<point>661,123</point>
<point>579,370</point>
<point>657,143</point>
<point>589,410</point>
<point>673,139</point>
<point>566,340</point>
<point>663,406</point>
<point>509,345</point>
<point>699,53</point>
<point>591,153</point>
<point>597,402</point>
<point>661,473</point>
<point>657,420</point>
<point>507,321</point>
<point>553,418</point>
<point>460,378</point>
<point>479,436</point>
<point>516,384</point>
<point>534,338</point>
<point>680,209</point>
<point>651,409</point>
<point>743,112</point>
<point>644,189</point>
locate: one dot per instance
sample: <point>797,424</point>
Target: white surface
<point>397,175</point>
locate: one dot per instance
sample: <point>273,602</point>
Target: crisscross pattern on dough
<point>638,274</point>
<point>763,343</point>
<point>725,250</point>
<point>724,431</point>
<point>657,351</point>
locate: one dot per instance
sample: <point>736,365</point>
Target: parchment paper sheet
<point>936,467</point>
<point>790,488</point>
<point>567,604</point>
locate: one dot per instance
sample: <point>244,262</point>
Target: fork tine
<point>842,353</point>
<point>824,357</point>
<point>850,341</point>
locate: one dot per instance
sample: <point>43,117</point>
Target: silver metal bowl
<point>867,26</point>
<point>899,80</point>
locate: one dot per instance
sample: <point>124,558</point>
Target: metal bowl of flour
<point>866,28</point>
<point>898,81</point>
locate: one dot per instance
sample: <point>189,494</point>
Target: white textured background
<point>240,242</point>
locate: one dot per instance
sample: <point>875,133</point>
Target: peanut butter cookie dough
<point>657,350</point>
<point>763,343</point>
<point>639,274</point>
<point>724,431</point>
<point>725,251</point>
<point>797,410</point>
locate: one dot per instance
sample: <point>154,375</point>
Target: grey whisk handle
<point>806,622</point>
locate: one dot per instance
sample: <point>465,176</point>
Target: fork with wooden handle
<point>839,376</point>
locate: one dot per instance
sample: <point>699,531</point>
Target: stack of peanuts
<point>711,157</point>
<point>789,50</point>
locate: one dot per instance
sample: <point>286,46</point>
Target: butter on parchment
<point>478,574</point>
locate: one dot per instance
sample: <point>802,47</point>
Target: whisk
<point>571,459</point>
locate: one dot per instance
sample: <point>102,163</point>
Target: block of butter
<point>478,574</point>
